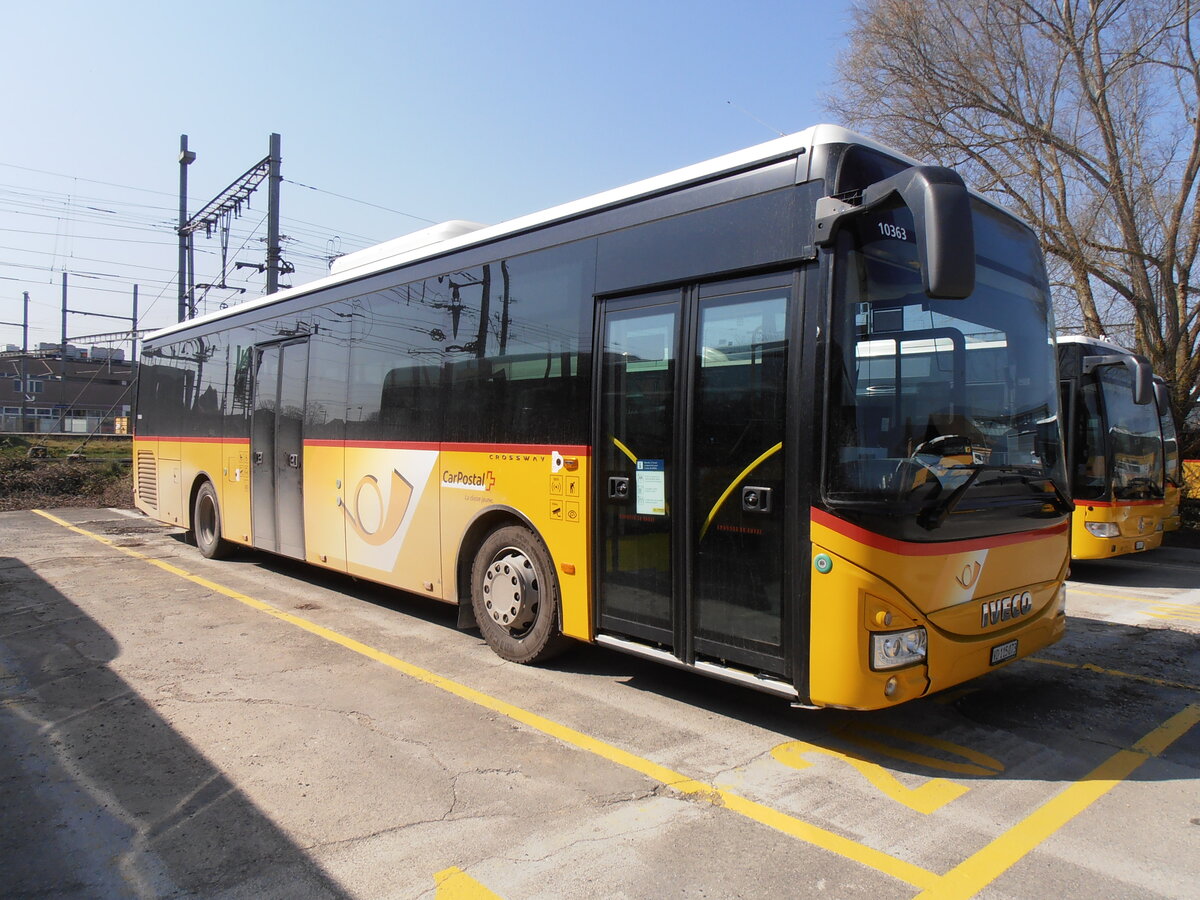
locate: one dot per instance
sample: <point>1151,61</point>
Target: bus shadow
<point>99,795</point>
<point>1166,567</point>
<point>1053,717</point>
<point>419,606</point>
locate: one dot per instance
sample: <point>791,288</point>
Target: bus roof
<point>457,234</point>
<point>1099,345</point>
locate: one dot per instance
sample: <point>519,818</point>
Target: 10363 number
<point>887,229</point>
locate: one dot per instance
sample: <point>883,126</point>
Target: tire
<point>514,595</point>
<point>206,524</point>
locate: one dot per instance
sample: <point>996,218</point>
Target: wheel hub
<point>510,590</point>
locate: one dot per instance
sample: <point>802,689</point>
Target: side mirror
<point>945,231</point>
<point>1139,369</point>
<point>941,209</point>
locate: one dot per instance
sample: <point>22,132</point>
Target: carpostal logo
<point>468,481</point>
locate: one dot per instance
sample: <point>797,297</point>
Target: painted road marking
<point>982,868</point>
<point>963,881</point>
<point>927,798</point>
<point>1111,596</point>
<point>455,884</point>
<point>981,764</point>
<point>695,790</point>
<point>1116,673</point>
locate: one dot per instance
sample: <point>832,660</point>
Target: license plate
<point>1004,652</point>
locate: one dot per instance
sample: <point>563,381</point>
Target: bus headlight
<point>1103,529</point>
<point>898,648</point>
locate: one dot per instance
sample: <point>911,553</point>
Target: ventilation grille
<point>147,478</point>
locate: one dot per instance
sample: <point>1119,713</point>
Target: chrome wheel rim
<point>511,591</point>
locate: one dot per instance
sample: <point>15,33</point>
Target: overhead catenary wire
<point>115,219</point>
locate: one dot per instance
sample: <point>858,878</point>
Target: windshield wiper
<point>934,516</point>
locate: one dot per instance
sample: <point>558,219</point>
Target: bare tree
<point>1079,116</point>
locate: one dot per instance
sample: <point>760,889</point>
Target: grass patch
<point>35,483</point>
<point>60,446</point>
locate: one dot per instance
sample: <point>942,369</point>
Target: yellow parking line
<point>1108,596</point>
<point>1116,673</point>
<point>696,790</point>
<point>982,868</point>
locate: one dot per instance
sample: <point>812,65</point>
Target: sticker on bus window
<point>651,487</point>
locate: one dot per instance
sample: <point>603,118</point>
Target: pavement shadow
<point>1167,567</point>
<point>1054,717</point>
<point>99,796</point>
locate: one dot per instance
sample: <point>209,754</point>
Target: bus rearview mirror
<point>941,209</point>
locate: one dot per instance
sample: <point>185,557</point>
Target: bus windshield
<point>941,410</point>
<point>1134,436</point>
<point>1173,464</point>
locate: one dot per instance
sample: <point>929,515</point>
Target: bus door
<point>690,484</point>
<point>277,448</point>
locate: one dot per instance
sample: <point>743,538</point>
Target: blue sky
<point>446,110</point>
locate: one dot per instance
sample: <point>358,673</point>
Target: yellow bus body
<point>877,584</point>
<point>1140,523</point>
<point>394,513</point>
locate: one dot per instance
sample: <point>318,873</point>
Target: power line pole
<point>25,392</point>
<point>133,331</point>
<point>62,362</point>
<point>216,214</point>
<point>24,357</point>
<point>186,158</point>
<point>274,253</point>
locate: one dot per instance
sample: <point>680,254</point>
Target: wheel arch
<point>198,482</point>
<point>474,535</point>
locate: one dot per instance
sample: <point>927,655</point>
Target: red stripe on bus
<point>191,440</point>
<point>456,448</point>
<point>912,548</point>
<point>374,445</point>
<point>566,449</point>
<point>571,449</point>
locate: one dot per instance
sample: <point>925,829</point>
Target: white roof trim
<point>1098,343</point>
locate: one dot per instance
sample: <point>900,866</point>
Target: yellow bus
<point>729,418</point>
<point>1114,449</point>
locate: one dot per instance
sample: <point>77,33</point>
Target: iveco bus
<point>787,417</point>
<point>1115,448</point>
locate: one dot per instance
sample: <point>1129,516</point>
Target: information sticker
<point>651,487</point>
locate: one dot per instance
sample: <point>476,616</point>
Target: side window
<point>395,364</point>
<point>328,362</point>
<point>239,380</point>
<point>209,356</point>
<point>1089,467</point>
<point>514,361</point>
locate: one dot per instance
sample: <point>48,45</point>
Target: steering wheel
<point>943,445</point>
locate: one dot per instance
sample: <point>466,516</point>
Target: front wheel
<point>206,523</point>
<point>515,596</point>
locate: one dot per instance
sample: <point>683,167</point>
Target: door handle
<point>618,487</point>
<point>756,499</point>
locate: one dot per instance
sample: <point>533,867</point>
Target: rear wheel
<point>515,596</point>
<point>206,523</point>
